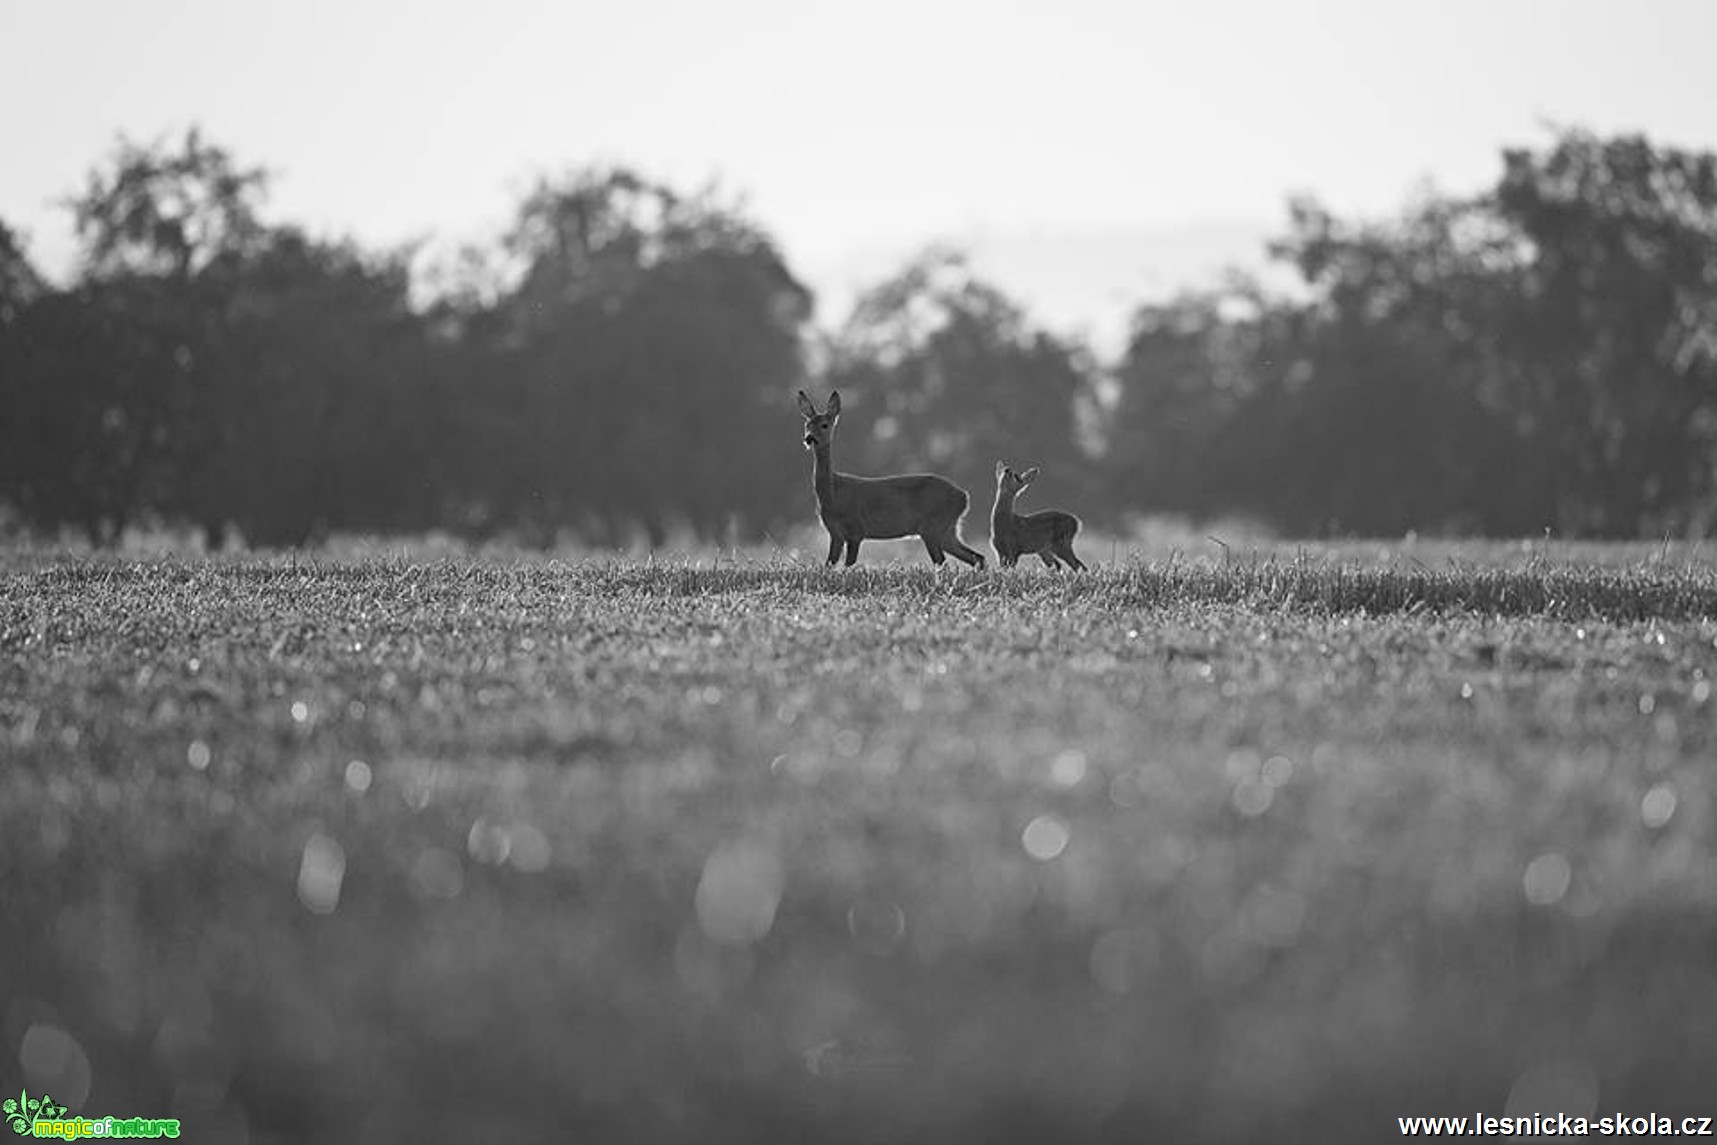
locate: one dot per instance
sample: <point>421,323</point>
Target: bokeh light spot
<point>488,842</point>
<point>876,925</point>
<point>321,873</point>
<point>1547,878</point>
<point>54,1063</point>
<point>739,892</point>
<point>530,851</point>
<point>1243,764</point>
<point>1277,770</point>
<point>1252,797</point>
<point>1046,837</point>
<point>419,788</point>
<point>1068,769</point>
<point>1657,806</point>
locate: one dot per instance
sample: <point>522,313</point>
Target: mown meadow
<point>1267,846</point>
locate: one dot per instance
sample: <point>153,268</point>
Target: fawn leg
<point>1065,551</point>
<point>834,549</point>
<point>852,551</point>
<point>1049,562</point>
<point>934,549</point>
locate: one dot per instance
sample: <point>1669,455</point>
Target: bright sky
<point>859,130</point>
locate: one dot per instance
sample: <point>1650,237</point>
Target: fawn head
<point>820,427</point>
<point>1010,482</point>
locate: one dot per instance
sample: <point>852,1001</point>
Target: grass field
<point>1277,847</point>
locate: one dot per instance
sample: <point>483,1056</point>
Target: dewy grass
<point>1280,847</point>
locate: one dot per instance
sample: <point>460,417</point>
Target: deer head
<point>820,427</point>
<point>1010,482</point>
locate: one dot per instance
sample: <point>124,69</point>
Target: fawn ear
<point>834,409</point>
<point>1001,468</point>
<point>1028,476</point>
<point>806,405</point>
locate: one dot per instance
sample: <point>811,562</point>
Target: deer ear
<point>1028,476</point>
<point>806,405</point>
<point>834,409</point>
<point>1001,468</point>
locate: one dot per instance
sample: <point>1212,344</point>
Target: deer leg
<point>951,541</point>
<point>935,550</point>
<point>1049,562</point>
<point>852,550</point>
<point>834,548</point>
<point>1065,551</point>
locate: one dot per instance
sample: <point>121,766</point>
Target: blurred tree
<point>1357,407</point>
<point>20,284</point>
<point>236,373</point>
<point>1190,367</point>
<point>20,287</point>
<point>115,366</point>
<point>317,407</point>
<point>650,346</point>
<point>89,380</point>
<point>82,385</point>
<point>156,212</point>
<point>1544,354</point>
<point>1617,391</point>
<point>1376,386</point>
<point>951,375</point>
<point>1539,356</point>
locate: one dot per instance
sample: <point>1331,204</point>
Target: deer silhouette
<point>856,509</point>
<point>1049,532</point>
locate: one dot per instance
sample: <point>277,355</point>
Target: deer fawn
<point>856,509</point>
<point>1049,532</point>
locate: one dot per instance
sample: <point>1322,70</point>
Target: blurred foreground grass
<point>1278,847</point>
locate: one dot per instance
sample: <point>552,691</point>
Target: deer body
<point>855,509</point>
<point>1049,532</point>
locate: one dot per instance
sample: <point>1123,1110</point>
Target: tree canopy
<point>619,364</point>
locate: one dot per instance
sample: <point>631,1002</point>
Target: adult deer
<point>1049,532</point>
<point>856,509</point>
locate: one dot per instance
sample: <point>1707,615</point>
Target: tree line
<point>621,364</point>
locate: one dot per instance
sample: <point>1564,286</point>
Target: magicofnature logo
<point>25,1111</point>
<point>43,1117</point>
